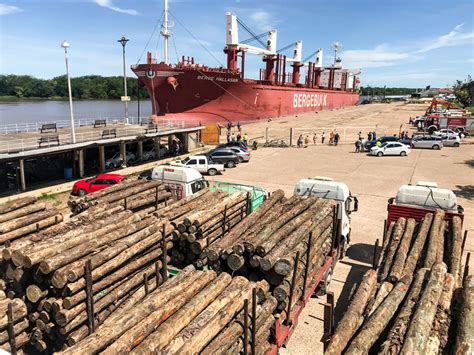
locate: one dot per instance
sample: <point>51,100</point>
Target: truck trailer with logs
<point>416,298</point>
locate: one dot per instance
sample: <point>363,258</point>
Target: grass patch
<point>470,109</point>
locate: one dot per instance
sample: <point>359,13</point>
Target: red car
<point>101,181</point>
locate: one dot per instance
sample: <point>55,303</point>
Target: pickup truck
<point>201,163</point>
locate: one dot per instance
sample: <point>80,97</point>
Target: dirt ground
<point>372,179</point>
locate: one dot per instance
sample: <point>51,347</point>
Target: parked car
<point>101,181</point>
<point>238,144</point>
<point>244,156</point>
<point>117,161</point>
<point>390,148</point>
<point>369,144</point>
<point>150,154</point>
<point>224,156</point>
<point>427,142</point>
<point>201,163</point>
<point>451,140</point>
<point>447,131</point>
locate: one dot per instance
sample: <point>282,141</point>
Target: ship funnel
<point>319,58</point>
<point>232,35</point>
<point>272,40</point>
<point>297,51</point>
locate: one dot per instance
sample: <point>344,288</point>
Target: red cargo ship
<point>198,93</point>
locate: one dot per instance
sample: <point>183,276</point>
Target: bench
<point>49,127</point>
<point>109,133</point>
<point>98,123</point>
<point>48,139</point>
<point>152,128</point>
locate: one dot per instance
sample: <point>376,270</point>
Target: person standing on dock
<point>245,139</point>
<point>336,139</point>
<point>323,137</point>
<point>299,143</point>
<point>238,126</point>
<point>315,138</point>
<point>228,136</point>
<point>229,126</point>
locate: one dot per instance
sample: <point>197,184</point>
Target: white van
<point>186,181</point>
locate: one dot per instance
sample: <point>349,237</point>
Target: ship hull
<point>219,97</point>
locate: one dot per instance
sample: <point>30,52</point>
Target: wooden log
<point>382,293</point>
<point>20,340</point>
<point>20,232</point>
<point>24,221</point>
<point>402,252</point>
<point>115,326</point>
<point>19,311</point>
<point>351,318</point>
<point>23,211</point>
<point>16,204</point>
<point>196,336</point>
<point>221,344</point>
<point>48,248</point>
<point>377,322</point>
<point>396,336</point>
<point>435,239</point>
<point>440,328</point>
<point>34,293</point>
<point>422,320</point>
<point>176,213</point>
<point>465,329</point>
<point>418,245</point>
<point>392,247</point>
<point>72,254</point>
<point>165,332</point>
<point>442,231</point>
<point>17,329</point>
<point>454,266</point>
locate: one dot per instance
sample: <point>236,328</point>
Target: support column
<point>156,142</point>
<point>140,151</point>
<point>81,163</point>
<point>102,158</point>
<point>123,153</point>
<point>22,176</point>
<point>185,143</point>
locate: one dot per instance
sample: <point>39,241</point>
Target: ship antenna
<point>164,31</point>
<point>336,46</point>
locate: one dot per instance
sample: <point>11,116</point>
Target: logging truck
<point>326,188</point>
<point>414,201</point>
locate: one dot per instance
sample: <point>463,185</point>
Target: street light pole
<point>66,45</point>
<point>123,41</point>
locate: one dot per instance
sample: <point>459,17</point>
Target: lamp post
<point>66,45</point>
<point>123,41</point>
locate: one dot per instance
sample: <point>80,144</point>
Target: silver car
<point>451,140</point>
<point>427,142</point>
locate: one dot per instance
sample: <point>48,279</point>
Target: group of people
<point>359,143</point>
<point>231,137</point>
<point>334,139</point>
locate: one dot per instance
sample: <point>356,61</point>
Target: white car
<point>390,148</point>
<point>447,131</point>
<point>150,154</point>
<point>451,140</point>
<point>116,161</point>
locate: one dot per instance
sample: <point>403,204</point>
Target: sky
<point>404,43</point>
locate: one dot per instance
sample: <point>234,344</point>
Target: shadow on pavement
<point>466,191</point>
<point>361,252</point>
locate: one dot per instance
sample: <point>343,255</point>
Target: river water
<point>47,110</point>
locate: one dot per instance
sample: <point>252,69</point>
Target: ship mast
<point>164,31</point>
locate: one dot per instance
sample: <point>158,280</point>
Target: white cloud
<point>454,38</point>
<point>380,56</point>
<point>109,5</point>
<point>8,9</point>
<point>263,20</point>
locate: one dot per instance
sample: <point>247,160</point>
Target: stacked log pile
<point>132,195</point>
<point>193,312</point>
<point>274,243</point>
<point>405,304</point>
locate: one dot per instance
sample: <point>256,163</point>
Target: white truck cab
<point>200,163</point>
<point>186,181</point>
<point>426,194</point>
<point>326,188</point>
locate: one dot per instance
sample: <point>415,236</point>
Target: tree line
<point>380,91</point>
<point>83,87</point>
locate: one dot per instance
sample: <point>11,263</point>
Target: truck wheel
<point>436,147</point>
<point>230,164</point>
<point>212,172</point>
<point>81,192</point>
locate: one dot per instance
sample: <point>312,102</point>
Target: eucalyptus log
<point>18,311</point>
<point>34,293</point>
<point>22,231</point>
<point>20,340</point>
<point>378,321</point>
<point>382,292</point>
<point>21,212</point>
<point>17,329</point>
<point>435,239</point>
<point>465,329</point>
<point>116,325</point>
<point>351,318</point>
<point>393,246</point>
<point>454,266</point>
<point>422,320</point>
<point>418,245</point>
<point>398,264</point>
<point>16,204</point>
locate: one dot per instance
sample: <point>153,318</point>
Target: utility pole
<point>123,41</point>
<point>66,45</point>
